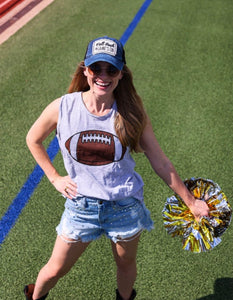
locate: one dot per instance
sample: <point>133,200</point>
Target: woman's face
<point>102,77</point>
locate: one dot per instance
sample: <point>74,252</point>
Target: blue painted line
<point>128,32</point>
<point>14,210</point>
<point>10,217</point>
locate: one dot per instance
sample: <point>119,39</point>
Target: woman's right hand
<point>66,186</point>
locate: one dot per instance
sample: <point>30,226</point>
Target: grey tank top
<point>92,153</point>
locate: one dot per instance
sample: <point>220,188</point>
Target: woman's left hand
<point>199,209</point>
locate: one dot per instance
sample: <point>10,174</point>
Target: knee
<point>54,272</point>
<point>125,263</point>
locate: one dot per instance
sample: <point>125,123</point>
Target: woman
<point>98,124</point>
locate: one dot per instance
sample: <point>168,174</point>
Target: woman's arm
<point>165,169</point>
<point>39,131</point>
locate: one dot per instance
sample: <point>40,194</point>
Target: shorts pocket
<point>76,204</point>
<point>126,202</point>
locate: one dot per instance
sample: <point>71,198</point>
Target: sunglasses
<point>96,70</point>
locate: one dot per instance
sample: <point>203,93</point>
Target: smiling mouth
<point>102,84</point>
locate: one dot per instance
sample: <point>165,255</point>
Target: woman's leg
<point>63,258</point>
<point>125,256</point>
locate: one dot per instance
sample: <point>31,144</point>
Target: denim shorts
<point>86,219</point>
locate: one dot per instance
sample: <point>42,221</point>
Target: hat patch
<point>104,46</point>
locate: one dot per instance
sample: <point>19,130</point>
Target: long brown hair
<point>131,117</point>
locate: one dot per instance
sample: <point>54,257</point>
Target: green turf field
<point>181,54</point>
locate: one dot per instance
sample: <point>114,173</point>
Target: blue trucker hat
<point>105,49</point>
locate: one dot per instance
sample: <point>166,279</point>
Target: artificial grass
<point>36,67</point>
<point>181,57</point>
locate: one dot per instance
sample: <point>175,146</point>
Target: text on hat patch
<point>104,46</point>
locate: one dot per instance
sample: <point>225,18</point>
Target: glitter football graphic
<point>95,147</point>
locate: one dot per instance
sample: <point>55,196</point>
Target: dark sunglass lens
<point>113,71</point>
<point>95,69</point>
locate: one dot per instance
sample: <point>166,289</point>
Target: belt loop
<point>84,202</point>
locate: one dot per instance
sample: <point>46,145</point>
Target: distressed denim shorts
<point>86,219</point>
